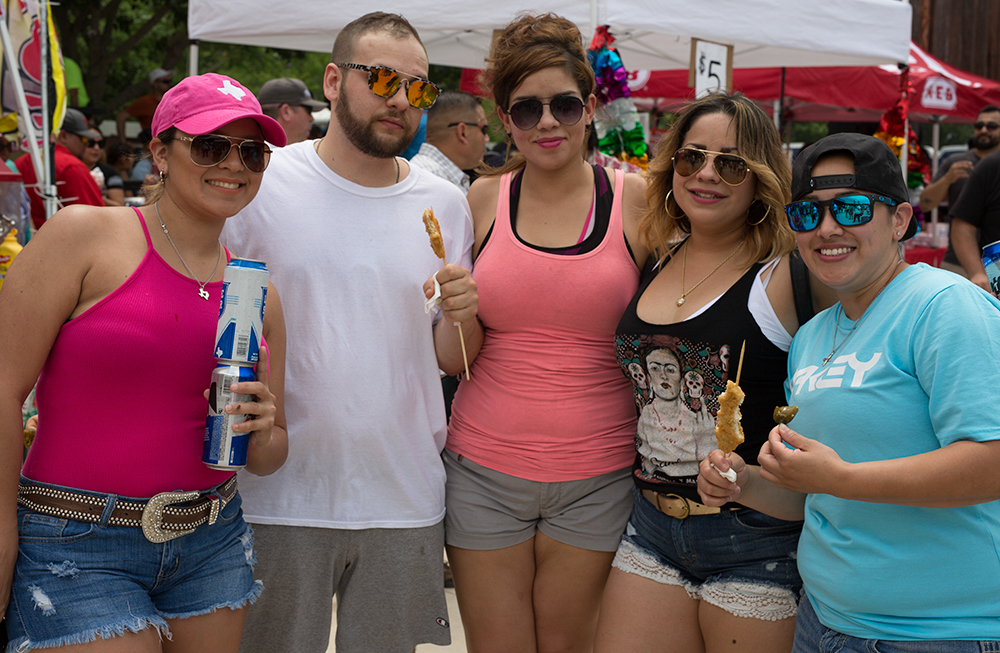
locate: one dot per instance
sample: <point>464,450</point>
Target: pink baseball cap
<point>202,104</point>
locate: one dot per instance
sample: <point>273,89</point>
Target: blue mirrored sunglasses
<point>847,210</point>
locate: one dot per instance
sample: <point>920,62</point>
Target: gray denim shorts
<point>490,510</point>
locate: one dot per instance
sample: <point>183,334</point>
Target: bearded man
<point>357,511</point>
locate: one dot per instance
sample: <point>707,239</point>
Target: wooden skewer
<point>465,359</point>
<point>461,339</point>
<point>740,367</point>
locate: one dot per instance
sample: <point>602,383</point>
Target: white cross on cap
<point>228,89</point>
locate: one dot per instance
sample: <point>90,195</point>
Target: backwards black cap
<point>876,170</point>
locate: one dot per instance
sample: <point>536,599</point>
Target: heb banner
<point>25,35</point>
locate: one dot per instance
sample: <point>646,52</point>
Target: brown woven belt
<point>677,506</point>
<point>161,518</point>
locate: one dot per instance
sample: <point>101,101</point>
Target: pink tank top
<point>547,401</point>
<point>120,398</point>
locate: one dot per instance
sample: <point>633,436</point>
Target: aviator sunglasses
<point>209,150</point>
<point>567,109</point>
<point>848,211</point>
<point>385,82</point>
<point>732,169</point>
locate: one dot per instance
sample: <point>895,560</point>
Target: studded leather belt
<point>163,517</point>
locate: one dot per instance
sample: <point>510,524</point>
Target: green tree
<point>117,42</point>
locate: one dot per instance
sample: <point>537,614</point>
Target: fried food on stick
<point>437,244</point>
<point>728,430</point>
<point>785,414</point>
<point>434,231</point>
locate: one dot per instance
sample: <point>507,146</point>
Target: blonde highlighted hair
<point>758,142</point>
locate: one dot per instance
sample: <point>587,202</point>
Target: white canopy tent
<point>652,34</point>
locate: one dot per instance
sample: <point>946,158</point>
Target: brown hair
<point>758,142</point>
<point>527,45</point>
<point>378,21</point>
<point>153,192</point>
<point>450,106</point>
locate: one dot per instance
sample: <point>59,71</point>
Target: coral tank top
<point>547,401</point>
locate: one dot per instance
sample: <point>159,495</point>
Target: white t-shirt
<point>366,421</point>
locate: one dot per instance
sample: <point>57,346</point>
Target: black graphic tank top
<point>678,372</point>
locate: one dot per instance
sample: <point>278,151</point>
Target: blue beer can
<point>241,311</point>
<point>224,448</point>
<point>991,261</point>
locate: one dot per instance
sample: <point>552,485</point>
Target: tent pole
<point>778,117</point>
<point>935,143</point>
<point>193,58</point>
<point>49,197</point>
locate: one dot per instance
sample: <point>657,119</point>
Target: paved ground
<point>457,632</point>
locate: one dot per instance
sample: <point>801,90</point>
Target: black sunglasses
<point>209,150</point>
<point>567,109</point>
<point>385,82</point>
<point>731,168</point>
<point>483,127</point>
<point>992,126</point>
<point>92,142</point>
<point>847,210</point>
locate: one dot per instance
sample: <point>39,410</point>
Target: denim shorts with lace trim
<point>77,582</point>
<point>742,561</point>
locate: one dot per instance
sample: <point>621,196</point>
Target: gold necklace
<point>685,293</point>
<point>840,310</point>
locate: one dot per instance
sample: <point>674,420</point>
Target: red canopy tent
<point>837,93</point>
<point>842,93</point>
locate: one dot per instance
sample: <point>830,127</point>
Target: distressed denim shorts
<point>75,582</point>
<point>742,561</point>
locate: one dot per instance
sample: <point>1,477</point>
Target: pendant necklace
<point>685,293</point>
<point>201,285</point>
<point>840,309</point>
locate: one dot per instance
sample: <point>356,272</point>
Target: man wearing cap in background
<point>74,185</point>
<point>143,108</point>
<point>288,100</point>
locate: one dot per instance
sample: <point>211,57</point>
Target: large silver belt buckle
<point>152,515</point>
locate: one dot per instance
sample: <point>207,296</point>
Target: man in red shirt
<point>143,108</point>
<point>74,185</point>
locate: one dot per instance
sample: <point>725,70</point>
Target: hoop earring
<point>666,206</point>
<point>754,224</point>
<point>163,177</point>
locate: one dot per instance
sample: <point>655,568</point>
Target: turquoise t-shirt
<point>921,370</point>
